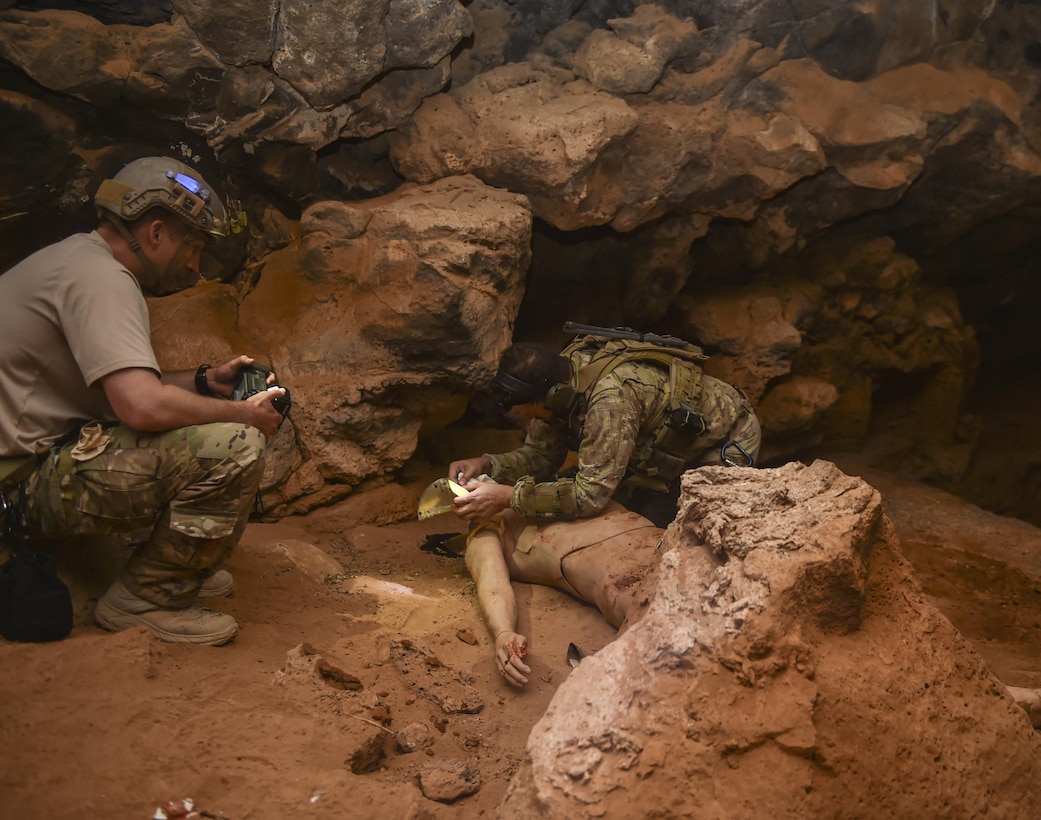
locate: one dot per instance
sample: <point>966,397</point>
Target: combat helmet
<point>151,181</point>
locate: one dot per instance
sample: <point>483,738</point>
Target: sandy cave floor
<point>102,725</point>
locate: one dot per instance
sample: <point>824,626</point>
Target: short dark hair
<point>177,226</point>
<point>527,370</point>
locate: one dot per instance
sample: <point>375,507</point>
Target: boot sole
<point>115,620</point>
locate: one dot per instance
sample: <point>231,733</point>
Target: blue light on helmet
<point>188,184</point>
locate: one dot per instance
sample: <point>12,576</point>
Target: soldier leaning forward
<point>637,413</point>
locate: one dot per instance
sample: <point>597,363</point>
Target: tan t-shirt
<point>69,315</point>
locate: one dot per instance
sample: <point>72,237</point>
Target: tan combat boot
<point>120,609</point>
<point>217,585</point>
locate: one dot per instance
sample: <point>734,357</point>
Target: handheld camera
<point>254,380</point>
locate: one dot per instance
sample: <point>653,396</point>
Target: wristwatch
<point>201,387</point>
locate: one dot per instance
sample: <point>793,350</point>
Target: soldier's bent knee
<point>239,443</point>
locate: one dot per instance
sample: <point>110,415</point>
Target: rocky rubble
<point>789,664</point>
<point>839,203</point>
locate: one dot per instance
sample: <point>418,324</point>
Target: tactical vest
<point>675,434</point>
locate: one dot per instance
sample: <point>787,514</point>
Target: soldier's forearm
<point>564,498</point>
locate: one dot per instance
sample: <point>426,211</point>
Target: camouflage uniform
<point>621,409</point>
<point>186,493</point>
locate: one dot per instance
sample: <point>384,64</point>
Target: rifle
<point>576,329</point>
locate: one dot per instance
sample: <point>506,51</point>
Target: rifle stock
<point>625,333</point>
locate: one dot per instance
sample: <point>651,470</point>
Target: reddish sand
<point>102,725</point>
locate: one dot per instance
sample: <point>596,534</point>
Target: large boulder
<point>162,67</point>
<point>538,131</point>
<point>381,320</point>
<point>330,52</point>
<point>788,666</point>
<point>240,32</point>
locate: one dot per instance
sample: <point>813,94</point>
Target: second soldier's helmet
<point>165,182</point>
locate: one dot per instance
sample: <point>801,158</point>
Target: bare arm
<point>143,402</point>
<point>487,566</point>
<point>221,379</point>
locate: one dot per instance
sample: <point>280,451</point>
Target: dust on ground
<point>361,682</point>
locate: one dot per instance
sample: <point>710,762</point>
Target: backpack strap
<point>610,353</point>
<point>676,431</point>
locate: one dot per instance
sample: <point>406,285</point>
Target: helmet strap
<point>149,267</point>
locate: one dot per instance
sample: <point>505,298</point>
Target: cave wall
<point>837,200</point>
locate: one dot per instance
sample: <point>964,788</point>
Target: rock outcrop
<point>838,203</point>
<point>379,317</point>
<point>788,665</point>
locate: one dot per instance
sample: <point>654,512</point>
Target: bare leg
<point>602,560</point>
<point>487,565</point>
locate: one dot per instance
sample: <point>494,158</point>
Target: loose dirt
<point>361,682</point>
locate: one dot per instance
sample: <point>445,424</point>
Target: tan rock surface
<point>788,666</point>
<point>406,304</point>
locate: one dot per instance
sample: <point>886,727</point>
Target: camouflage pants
<point>185,494</point>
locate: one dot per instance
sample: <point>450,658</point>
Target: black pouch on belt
<point>35,604</point>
